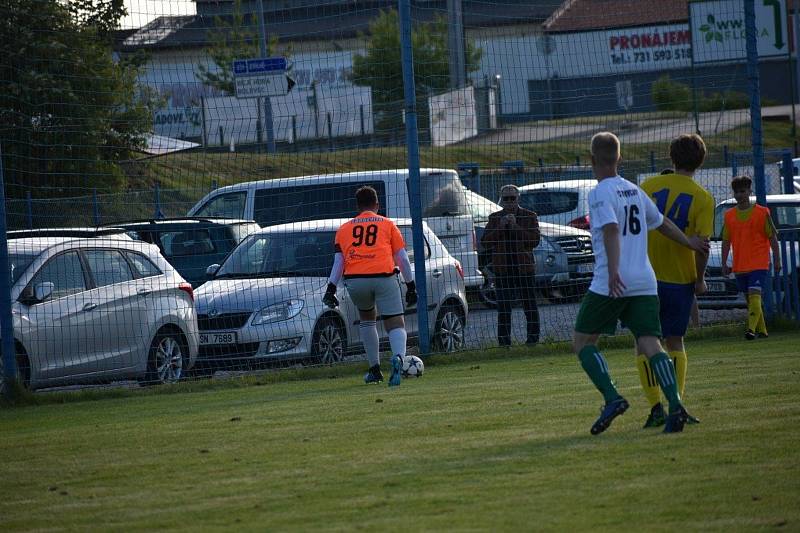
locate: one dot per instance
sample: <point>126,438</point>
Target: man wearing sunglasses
<point>510,236</point>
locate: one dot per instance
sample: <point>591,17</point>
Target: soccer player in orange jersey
<point>750,231</point>
<point>367,249</point>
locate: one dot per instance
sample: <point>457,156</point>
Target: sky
<point>140,12</point>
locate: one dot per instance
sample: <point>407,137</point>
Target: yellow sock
<point>761,327</point>
<point>681,363</point>
<point>648,380</point>
<point>754,311</point>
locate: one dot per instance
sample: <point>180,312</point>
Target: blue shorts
<point>748,281</point>
<point>675,302</point>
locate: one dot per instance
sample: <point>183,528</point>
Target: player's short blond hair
<point>605,148</point>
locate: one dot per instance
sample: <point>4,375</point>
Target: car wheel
<point>329,343</point>
<point>449,333</point>
<point>487,291</point>
<point>166,359</point>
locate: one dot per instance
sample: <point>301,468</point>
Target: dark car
<point>191,244</point>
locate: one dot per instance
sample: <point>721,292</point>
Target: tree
<point>68,112</point>
<point>233,39</point>
<point>381,67</point>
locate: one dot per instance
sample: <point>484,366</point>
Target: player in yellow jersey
<point>680,271</point>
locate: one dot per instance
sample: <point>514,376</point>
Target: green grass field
<point>500,443</point>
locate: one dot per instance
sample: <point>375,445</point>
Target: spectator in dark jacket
<point>510,236</point>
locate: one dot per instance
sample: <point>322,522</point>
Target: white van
<point>286,200</point>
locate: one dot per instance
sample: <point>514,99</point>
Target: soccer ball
<point>413,367</point>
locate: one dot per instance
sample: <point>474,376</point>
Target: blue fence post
<point>95,207</point>
<point>29,208</point>
<point>6,320</point>
<point>157,213</point>
<point>652,161</point>
<point>578,160</point>
<point>412,142</point>
<point>794,252</point>
<point>788,172</point>
<point>725,155</point>
<point>753,84</point>
<point>214,185</point>
<point>734,165</point>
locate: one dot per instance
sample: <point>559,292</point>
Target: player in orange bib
<point>367,249</point>
<point>749,230</point>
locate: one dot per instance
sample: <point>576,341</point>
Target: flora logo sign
<point>718,29</point>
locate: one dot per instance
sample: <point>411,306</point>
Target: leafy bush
<point>669,95</point>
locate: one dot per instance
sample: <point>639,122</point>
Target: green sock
<point>665,374</point>
<point>595,366</point>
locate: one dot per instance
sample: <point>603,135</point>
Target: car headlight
<point>278,312</point>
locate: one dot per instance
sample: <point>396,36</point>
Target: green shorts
<point>599,314</point>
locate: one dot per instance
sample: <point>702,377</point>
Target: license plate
<point>585,268</point>
<point>715,286</point>
<point>222,337</point>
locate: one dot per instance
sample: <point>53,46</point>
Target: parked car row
<point>232,286</point>
<point>91,309</point>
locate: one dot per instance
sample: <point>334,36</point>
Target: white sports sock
<point>369,336</point>
<point>397,339</point>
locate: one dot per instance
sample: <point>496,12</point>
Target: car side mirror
<point>43,291</point>
<point>212,270</point>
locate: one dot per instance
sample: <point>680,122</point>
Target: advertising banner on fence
<point>452,116</point>
<point>718,34</point>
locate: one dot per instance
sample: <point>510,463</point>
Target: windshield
<point>442,195</point>
<point>479,207</point>
<point>19,263</point>
<point>546,202</point>
<point>276,255</point>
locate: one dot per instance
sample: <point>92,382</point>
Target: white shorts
<point>381,292</point>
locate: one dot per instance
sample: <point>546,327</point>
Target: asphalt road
<point>629,131</point>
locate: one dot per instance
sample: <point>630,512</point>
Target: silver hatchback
<point>98,310</point>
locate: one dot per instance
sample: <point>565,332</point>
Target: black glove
<point>411,294</point>
<point>330,298</point>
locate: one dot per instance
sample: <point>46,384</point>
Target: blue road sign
<point>264,65</point>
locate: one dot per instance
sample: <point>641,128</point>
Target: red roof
<point>581,15</point>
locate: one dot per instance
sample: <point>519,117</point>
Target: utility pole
<point>455,43</point>
<point>268,126</point>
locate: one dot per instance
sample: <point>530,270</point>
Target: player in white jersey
<point>624,285</point>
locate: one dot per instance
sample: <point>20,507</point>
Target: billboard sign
<point>718,31</point>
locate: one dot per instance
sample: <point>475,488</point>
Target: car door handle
<point>143,291</point>
<point>89,306</point>
<point>436,273</point>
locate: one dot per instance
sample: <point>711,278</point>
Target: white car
<point>265,301</point>
<point>98,310</point>
<point>563,202</point>
<point>327,196</point>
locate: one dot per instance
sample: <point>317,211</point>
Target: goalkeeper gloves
<point>411,294</point>
<point>330,298</point>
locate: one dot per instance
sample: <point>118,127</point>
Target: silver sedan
<point>265,302</point>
